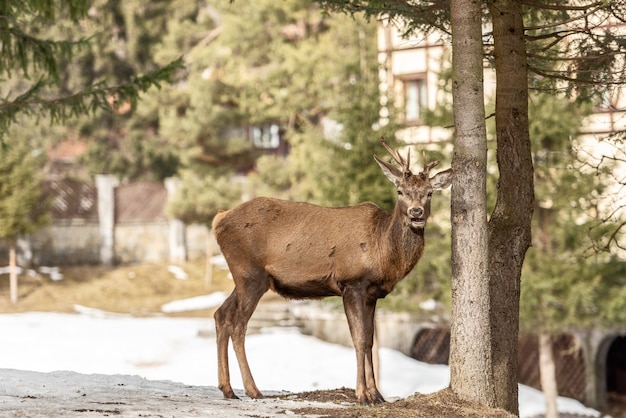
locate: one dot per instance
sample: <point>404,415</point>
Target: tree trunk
<point>547,372</point>
<point>470,358</point>
<point>510,223</point>
<point>13,271</point>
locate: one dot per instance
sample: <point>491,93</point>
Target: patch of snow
<point>196,303</point>
<point>178,272</point>
<point>534,404</point>
<point>97,313</point>
<point>66,394</point>
<point>53,272</point>
<point>7,270</point>
<point>56,364</point>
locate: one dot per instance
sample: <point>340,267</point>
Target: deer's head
<point>414,190</point>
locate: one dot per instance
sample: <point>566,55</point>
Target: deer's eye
<point>430,194</point>
<point>400,193</point>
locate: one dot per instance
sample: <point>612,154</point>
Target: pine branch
<point>88,101</point>
<point>45,9</point>
<point>561,7</point>
<point>562,23</point>
<point>563,76</point>
<point>20,50</point>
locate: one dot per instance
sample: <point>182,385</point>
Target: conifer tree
<point>335,166</point>
<point>21,208</point>
<point>35,54</point>
<point>276,64</point>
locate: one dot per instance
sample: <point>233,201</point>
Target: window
<point>265,136</point>
<point>414,99</point>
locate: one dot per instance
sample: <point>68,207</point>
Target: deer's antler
<point>397,157</point>
<point>428,166</point>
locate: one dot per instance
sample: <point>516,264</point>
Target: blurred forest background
<point>286,96</point>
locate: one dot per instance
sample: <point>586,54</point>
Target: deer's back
<point>298,243</point>
<point>268,221</point>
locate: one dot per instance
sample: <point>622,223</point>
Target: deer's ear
<point>391,172</point>
<point>441,180</point>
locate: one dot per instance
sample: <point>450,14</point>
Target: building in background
<point>410,81</point>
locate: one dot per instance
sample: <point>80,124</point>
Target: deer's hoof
<point>229,394</point>
<point>255,395</point>
<point>377,398</point>
<point>371,398</point>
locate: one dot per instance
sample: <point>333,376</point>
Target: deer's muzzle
<point>417,217</point>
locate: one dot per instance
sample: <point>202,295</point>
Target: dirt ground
<point>75,395</point>
<point>440,404</point>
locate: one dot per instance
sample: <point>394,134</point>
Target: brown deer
<point>301,250</point>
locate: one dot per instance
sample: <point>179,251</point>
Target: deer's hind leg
<point>233,318</point>
<point>223,332</point>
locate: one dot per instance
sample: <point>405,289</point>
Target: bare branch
<point>560,7</point>
<point>588,12</point>
<point>612,239</point>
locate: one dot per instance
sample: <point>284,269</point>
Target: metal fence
<point>432,345</point>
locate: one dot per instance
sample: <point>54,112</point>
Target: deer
<point>305,251</point>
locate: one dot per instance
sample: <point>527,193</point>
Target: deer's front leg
<point>360,309</point>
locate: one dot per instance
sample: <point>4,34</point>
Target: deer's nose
<point>416,212</point>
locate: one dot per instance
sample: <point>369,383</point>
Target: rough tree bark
<point>510,223</point>
<point>470,348</point>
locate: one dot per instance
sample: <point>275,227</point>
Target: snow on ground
<point>53,272</point>
<point>65,394</point>
<point>178,272</point>
<point>123,350</point>
<point>196,303</point>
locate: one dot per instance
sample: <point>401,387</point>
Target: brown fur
<point>301,251</point>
